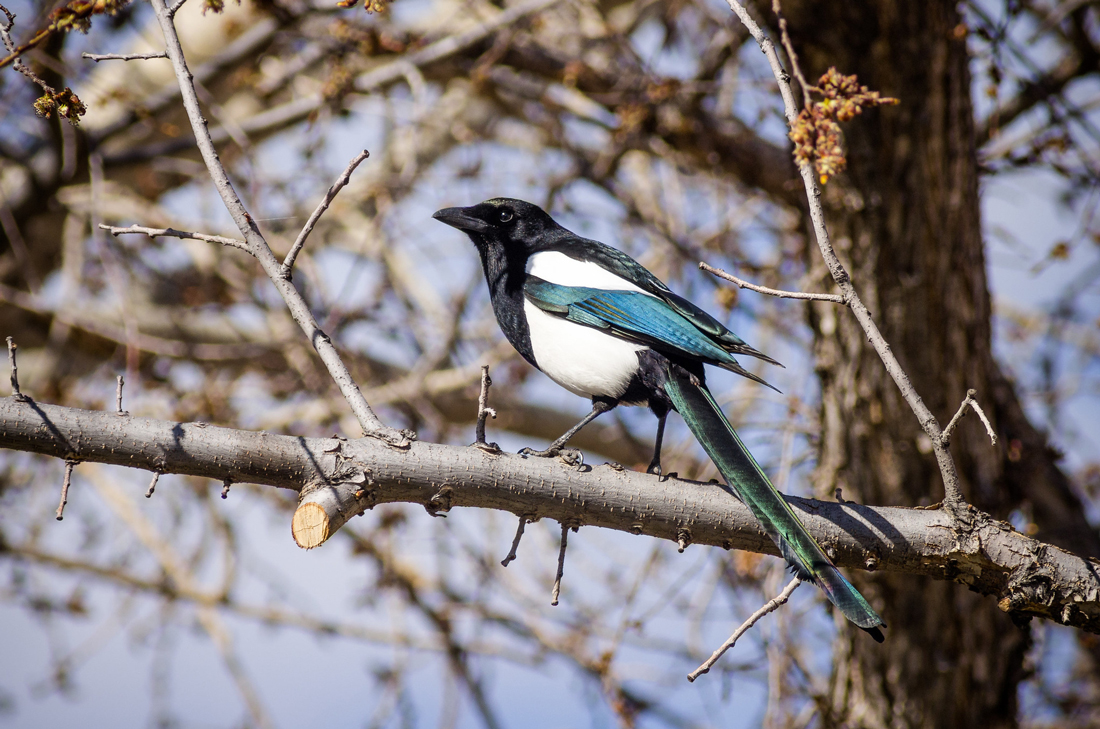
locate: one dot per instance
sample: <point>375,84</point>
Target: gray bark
<point>1026,577</point>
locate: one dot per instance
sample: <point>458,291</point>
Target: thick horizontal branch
<point>1026,577</point>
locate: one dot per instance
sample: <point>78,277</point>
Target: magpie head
<point>517,227</point>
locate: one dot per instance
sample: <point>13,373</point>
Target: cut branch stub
<point>323,510</point>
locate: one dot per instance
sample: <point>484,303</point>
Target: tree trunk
<point>906,221</point>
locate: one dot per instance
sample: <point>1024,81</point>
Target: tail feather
<point>709,425</point>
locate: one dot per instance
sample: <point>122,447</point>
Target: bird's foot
<point>548,453</point>
<point>490,448</point>
<point>570,456</point>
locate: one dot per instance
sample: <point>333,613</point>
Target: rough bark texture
<point>906,219</point>
<point>344,478</point>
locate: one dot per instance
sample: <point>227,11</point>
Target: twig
<point>69,464</point>
<point>683,539</point>
<point>225,488</point>
<point>484,412</point>
<point>15,394</point>
<point>118,396</point>
<point>173,233</point>
<point>789,48</point>
<point>175,7</point>
<point>14,53</point>
<point>561,565</point>
<point>97,57</point>
<point>968,401</point>
<point>257,246</point>
<point>515,543</point>
<point>300,241</point>
<point>741,283</point>
<point>771,606</point>
<point>952,496</point>
<point>152,485</point>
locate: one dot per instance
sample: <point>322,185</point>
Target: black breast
<point>505,275</point>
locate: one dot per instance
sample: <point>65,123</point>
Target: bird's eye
<point>505,216</point>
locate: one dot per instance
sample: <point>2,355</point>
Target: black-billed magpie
<point>603,327</point>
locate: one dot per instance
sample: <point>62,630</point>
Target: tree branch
<point>742,284</point>
<point>952,496</point>
<point>258,246</point>
<point>1025,576</point>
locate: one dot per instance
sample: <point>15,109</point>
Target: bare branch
<point>771,606</point>
<point>561,564</point>
<point>968,401</point>
<point>741,283</point>
<point>152,485</point>
<point>952,496</point>
<point>300,241</point>
<point>15,394</point>
<point>789,48</point>
<point>118,396</point>
<point>483,412</point>
<point>69,465</point>
<point>173,233</point>
<point>97,57</point>
<point>258,247</point>
<point>515,542</point>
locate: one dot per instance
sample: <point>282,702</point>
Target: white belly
<point>583,360</point>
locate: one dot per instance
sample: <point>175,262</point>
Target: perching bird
<point>602,326</point>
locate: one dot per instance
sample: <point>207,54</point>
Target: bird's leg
<point>599,407</point>
<point>655,464</point>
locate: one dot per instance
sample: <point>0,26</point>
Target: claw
<point>572,457</point>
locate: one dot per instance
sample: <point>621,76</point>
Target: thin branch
<point>771,606</point>
<point>173,233</point>
<point>69,465</point>
<point>683,539</point>
<point>300,241</point>
<point>741,283</point>
<point>483,412</point>
<point>118,396</point>
<point>968,401</point>
<point>175,7</point>
<point>15,393</point>
<point>561,564</point>
<point>152,485</point>
<point>256,244</point>
<point>97,57</point>
<point>515,542</point>
<point>789,48</point>
<point>952,496</point>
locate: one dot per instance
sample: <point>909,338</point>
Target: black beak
<point>459,218</point>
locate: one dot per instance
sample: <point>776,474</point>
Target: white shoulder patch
<point>558,268</point>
